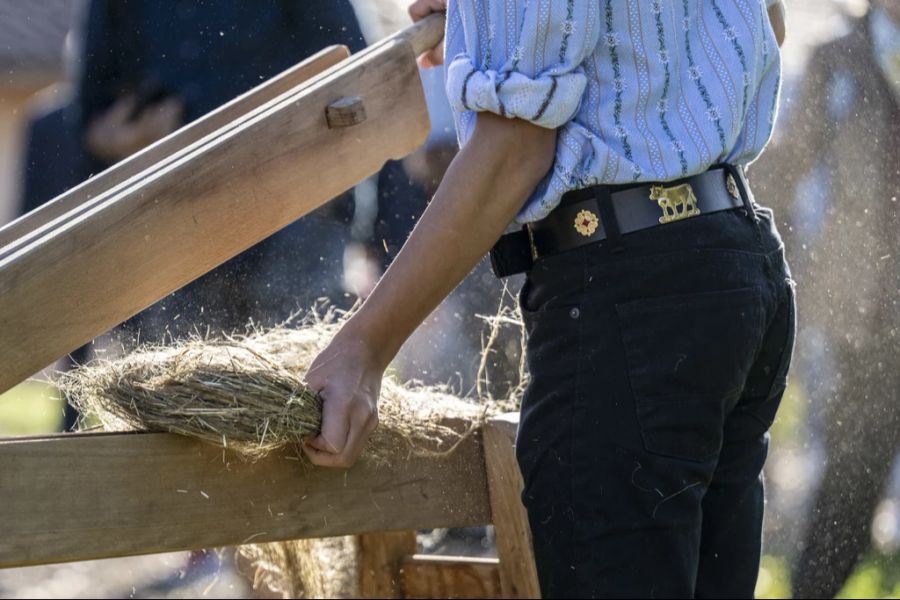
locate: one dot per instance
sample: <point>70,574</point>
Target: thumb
<point>420,9</point>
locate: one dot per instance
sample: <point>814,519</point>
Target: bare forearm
<point>484,188</point>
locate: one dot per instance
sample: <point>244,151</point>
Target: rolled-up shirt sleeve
<point>520,58</point>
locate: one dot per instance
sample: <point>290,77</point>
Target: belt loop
<point>737,173</point>
<point>531,245</point>
<point>609,219</point>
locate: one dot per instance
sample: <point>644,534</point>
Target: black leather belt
<point>602,212</point>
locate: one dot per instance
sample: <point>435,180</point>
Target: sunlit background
<point>33,38</point>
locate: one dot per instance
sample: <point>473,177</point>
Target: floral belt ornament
<point>586,223</point>
<point>676,202</point>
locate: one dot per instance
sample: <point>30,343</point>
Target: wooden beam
<point>424,35</point>
<point>421,36</point>
<point>84,496</point>
<point>431,576</point>
<point>96,189</point>
<point>216,200</point>
<point>380,558</point>
<point>518,575</point>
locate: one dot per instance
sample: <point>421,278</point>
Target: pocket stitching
<point>635,308</point>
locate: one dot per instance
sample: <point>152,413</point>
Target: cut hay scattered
<point>247,394</point>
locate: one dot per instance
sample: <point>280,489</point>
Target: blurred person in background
<point>143,68</point>
<point>149,66</point>
<point>836,167</point>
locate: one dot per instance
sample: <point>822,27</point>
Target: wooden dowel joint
<point>345,112</point>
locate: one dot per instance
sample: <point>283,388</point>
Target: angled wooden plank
<point>93,191</point>
<point>518,575</point>
<point>421,36</point>
<point>432,576</point>
<point>85,496</point>
<point>151,238</point>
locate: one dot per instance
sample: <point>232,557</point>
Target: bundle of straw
<point>247,394</point>
<point>222,392</point>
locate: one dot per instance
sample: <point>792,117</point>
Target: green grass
<point>774,578</point>
<point>791,422</point>
<point>877,576</point>
<point>30,408</point>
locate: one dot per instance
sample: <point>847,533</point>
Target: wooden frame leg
<point>451,577</point>
<point>381,557</point>
<point>518,575</point>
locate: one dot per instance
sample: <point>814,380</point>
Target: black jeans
<point>656,372</point>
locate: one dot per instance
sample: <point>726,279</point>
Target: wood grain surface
<point>84,496</point>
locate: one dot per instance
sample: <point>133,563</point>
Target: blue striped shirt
<point>640,90</point>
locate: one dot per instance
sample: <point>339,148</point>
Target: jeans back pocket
<point>688,358</point>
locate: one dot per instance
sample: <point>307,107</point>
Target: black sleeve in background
<point>105,64</point>
<point>320,23</point>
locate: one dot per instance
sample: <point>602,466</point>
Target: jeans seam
<point>581,547</point>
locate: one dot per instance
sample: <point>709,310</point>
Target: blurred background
<point>86,83</point>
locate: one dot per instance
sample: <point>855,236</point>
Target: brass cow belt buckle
<point>677,202</point>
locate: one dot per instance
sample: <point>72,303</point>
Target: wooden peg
<point>345,112</point>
